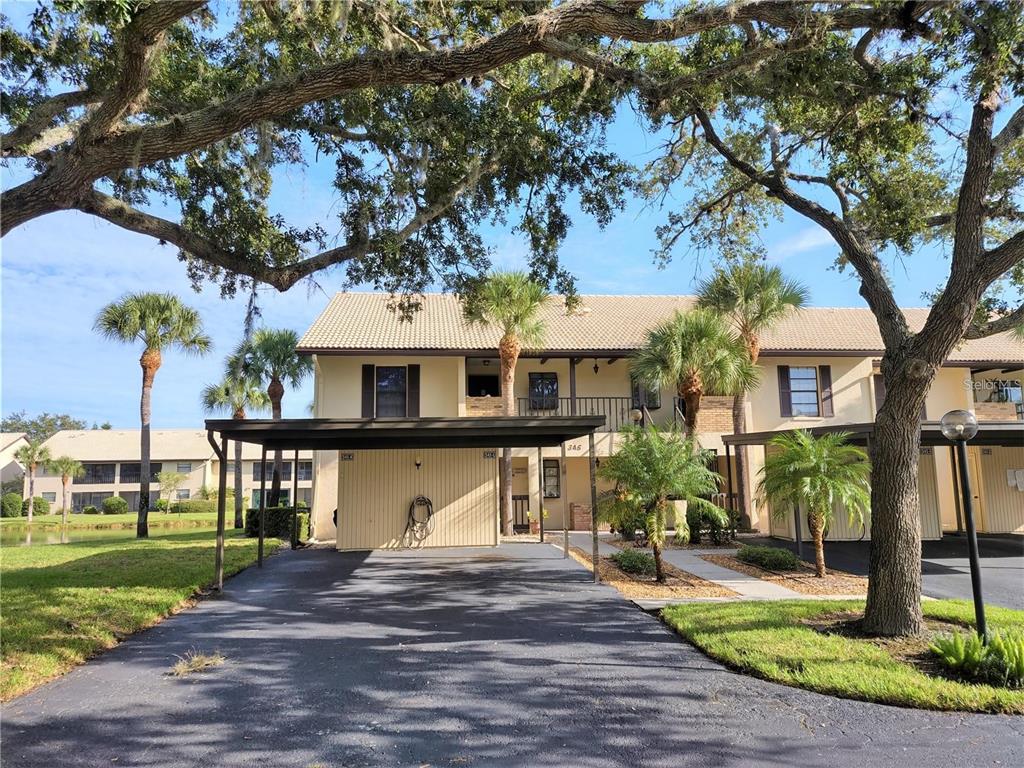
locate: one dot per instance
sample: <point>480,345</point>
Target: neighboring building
<point>10,468</point>
<point>819,367</point>
<point>110,458</point>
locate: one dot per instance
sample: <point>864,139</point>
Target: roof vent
<point>582,311</point>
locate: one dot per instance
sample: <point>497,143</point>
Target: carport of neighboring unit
<point>440,436</point>
<point>1006,436</point>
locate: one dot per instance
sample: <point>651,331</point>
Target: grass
<point>773,640</point>
<point>64,603</point>
<point>156,520</point>
<point>193,661</point>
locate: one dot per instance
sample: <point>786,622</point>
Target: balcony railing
<point>616,410</point>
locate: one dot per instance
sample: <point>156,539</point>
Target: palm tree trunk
<point>276,392</point>
<point>31,489</point>
<point>64,501</point>
<point>816,522</point>
<point>739,426</point>
<point>659,571</point>
<point>508,351</point>
<point>691,401</point>
<point>150,362</point>
<point>239,522</point>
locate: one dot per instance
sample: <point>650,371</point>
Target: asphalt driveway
<point>945,569</point>
<point>506,657</point>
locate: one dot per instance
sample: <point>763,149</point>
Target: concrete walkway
<point>500,657</point>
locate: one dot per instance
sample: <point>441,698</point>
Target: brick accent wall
<point>715,415</point>
<point>995,411</point>
<point>484,406</point>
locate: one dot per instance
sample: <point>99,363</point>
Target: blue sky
<point>59,270</point>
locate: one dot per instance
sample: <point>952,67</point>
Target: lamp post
<point>960,426</point>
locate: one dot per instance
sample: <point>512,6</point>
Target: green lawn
<point>769,640</point>
<point>63,603</point>
<point>156,520</point>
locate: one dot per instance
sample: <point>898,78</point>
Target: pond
<point>25,536</point>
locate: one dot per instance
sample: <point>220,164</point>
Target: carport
<point>394,434</point>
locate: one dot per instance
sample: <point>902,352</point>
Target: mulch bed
<point>670,544</point>
<point>679,584</point>
<point>803,581</point>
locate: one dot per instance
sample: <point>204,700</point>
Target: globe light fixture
<point>959,426</point>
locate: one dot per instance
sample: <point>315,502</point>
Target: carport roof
<point>365,434</point>
<point>990,433</point>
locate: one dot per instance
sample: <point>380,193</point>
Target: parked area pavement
<point>945,568</point>
<point>476,657</point>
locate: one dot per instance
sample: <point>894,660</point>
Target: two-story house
<point>110,460</point>
<point>819,367</point>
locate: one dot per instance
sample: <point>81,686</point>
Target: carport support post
<point>563,470</point>
<point>222,482</point>
<point>728,491</point>
<point>593,510</point>
<point>263,505</point>
<point>295,500</point>
<point>540,490</point>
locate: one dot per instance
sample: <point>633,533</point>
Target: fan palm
<point>238,395</point>
<point>650,466</point>
<point>269,359</point>
<point>696,353</point>
<point>68,469</point>
<point>159,321</point>
<point>32,455</point>
<point>510,302</point>
<point>819,474</point>
<point>755,297</point>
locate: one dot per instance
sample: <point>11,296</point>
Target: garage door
<point>376,488</point>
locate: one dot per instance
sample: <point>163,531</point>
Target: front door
<point>977,497</point>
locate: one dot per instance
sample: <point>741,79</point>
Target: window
<point>391,390</point>
<point>50,496</point>
<point>185,467</point>
<point>286,471</point>
<point>645,396</point>
<point>305,470</point>
<point>284,499</point>
<point>543,391</point>
<point>80,501</point>
<point>97,473</point>
<point>182,493</point>
<point>132,473</point>
<point>552,479</point>
<point>805,390</point>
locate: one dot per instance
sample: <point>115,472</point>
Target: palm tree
<point>817,473</point>
<point>68,469</point>
<point>237,395</point>
<point>159,321</point>
<point>755,297</point>
<point>698,354</point>
<point>510,302</point>
<point>32,455</point>
<point>650,466</point>
<point>269,358</point>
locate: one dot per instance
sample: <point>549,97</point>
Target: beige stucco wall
<point>377,487</point>
<point>199,476</point>
<point>1002,505</point>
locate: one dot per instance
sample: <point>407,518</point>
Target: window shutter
<point>825,377</point>
<point>412,392</point>
<point>785,396</point>
<point>368,387</point>
<point>879,391</point>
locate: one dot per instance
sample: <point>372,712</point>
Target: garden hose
<point>420,524</point>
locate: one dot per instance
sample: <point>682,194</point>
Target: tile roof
<point>123,445</point>
<point>364,321</point>
<point>8,439</point>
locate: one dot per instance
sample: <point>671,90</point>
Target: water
<point>25,536</point>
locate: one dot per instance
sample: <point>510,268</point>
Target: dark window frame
<point>394,392</point>
<point>91,472</point>
<point>543,390</point>
<point>645,396</point>
<point>556,475</point>
<point>286,471</point>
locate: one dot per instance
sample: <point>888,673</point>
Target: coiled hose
<point>420,524</point>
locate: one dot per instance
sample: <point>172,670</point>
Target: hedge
<point>90,510</point>
<point>635,561</point>
<point>40,506</point>
<point>115,505</point>
<point>278,524</point>
<point>772,558</point>
<point>11,505</point>
<point>192,506</point>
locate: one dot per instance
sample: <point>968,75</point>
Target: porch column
<point>295,501</point>
<point>540,490</point>
<point>593,509</point>
<point>263,504</point>
<point>728,490</point>
<point>564,472</point>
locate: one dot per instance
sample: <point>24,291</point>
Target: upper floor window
<point>805,390</point>
<point>97,473</point>
<point>305,470</point>
<point>645,396</point>
<point>185,467</point>
<point>257,473</point>
<point>543,391</point>
<point>132,473</point>
<point>391,390</point>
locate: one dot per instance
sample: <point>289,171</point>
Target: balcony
<point>616,410</point>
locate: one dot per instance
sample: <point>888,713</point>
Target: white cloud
<point>802,241</point>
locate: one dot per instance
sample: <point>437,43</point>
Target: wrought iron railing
<point>617,411</point>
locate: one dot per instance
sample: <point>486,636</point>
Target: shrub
<point>635,561</point>
<point>115,505</point>
<point>40,506</point>
<point>90,510</point>
<point>162,505</point>
<point>1001,662</point>
<point>278,523</point>
<point>10,506</point>
<point>194,506</point>
<point>706,519</point>
<point>771,558</point>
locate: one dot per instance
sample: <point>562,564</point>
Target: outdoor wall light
<point>960,426</point>
<point>636,415</point>
<point>419,463</point>
<point>596,368</point>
